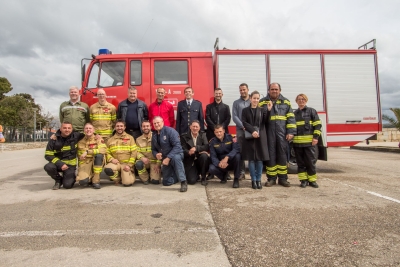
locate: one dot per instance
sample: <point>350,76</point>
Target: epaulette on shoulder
<point>211,140</point>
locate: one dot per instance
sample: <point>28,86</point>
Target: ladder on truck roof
<point>365,46</point>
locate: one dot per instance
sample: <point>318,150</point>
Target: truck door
<point>173,74</point>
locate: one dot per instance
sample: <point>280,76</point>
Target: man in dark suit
<point>217,113</point>
<point>187,111</point>
<point>195,150</point>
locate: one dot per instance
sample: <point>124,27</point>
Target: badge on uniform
<point>165,138</point>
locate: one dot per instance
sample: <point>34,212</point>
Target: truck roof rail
<point>365,46</point>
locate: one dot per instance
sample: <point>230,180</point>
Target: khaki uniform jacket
<point>144,148</point>
<point>103,118</point>
<point>77,115</point>
<point>92,146</point>
<point>123,148</point>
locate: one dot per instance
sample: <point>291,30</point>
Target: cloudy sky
<point>43,41</point>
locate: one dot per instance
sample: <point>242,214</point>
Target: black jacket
<point>184,116</point>
<point>255,149</point>
<point>63,150</point>
<point>142,111</point>
<point>217,114</point>
<point>187,144</point>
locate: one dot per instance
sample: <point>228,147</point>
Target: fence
<point>24,134</point>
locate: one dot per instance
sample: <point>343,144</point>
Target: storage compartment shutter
<point>299,74</point>
<point>351,89</point>
<point>236,69</point>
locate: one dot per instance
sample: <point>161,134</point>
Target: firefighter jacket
<point>142,112</point>
<point>308,126</point>
<point>77,114</point>
<point>123,148</point>
<point>220,149</point>
<point>167,142</point>
<point>165,110</point>
<point>92,146</point>
<point>186,114</point>
<point>63,150</point>
<point>103,118</point>
<point>281,120</point>
<point>143,144</point>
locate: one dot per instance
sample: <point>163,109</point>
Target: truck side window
<point>112,73</point>
<point>171,72</point>
<point>136,72</point>
<point>94,75</point>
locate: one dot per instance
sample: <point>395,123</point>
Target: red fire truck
<point>342,85</point>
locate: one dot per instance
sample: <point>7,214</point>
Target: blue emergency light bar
<point>104,51</point>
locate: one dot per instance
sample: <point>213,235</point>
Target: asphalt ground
<point>351,220</point>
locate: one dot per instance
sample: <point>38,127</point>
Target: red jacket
<point>165,110</point>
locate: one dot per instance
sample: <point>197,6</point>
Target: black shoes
<point>183,186</point>
<point>96,186</point>
<point>303,183</point>
<point>155,181</point>
<point>204,181</point>
<point>84,182</point>
<point>254,184</point>
<point>146,182</point>
<point>270,183</point>
<point>259,186</point>
<point>235,183</point>
<point>313,184</point>
<point>57,185</point>
<point>210,176</point>
<point>284,183</point>
<point>227,176</point>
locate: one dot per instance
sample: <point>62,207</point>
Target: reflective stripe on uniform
<point>302,139</point>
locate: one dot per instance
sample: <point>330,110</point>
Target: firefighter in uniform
<point>103,116</point>
<point>305,141</point>
<point>225,155</point>
<point>145,159</point>
<point>91,151</point>
<point>187,111</point>
<point>121,156</point>
<point>74,111</point>
<point>61,156</point>
<point>281,129</point>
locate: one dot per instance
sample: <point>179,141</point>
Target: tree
<point>5,87</point>
<point>394,122</point>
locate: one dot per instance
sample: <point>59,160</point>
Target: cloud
<point>42,42</point>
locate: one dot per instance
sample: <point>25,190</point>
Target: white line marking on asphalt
<point>369,192</point>
<point>103,232</point>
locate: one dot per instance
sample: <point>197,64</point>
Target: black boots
<point>254,184</point>
<point>313,184</point>
<point>235,183</point>
<point>259,186</point>
<point>183,186</point>
<point>303,183</point>
<point>57,185</point>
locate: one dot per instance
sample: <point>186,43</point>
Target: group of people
<point>147,140</point>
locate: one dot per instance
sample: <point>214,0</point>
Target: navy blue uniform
<point>219,150</point>
<point>186,114</point>
<point>168,143</point>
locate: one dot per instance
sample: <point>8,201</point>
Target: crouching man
<point>145,159</point>
<point>224,155</point>
<point>166,146</point>
<point>195,151</point>
<point>121,156</point>
<point>61,155</point>
<point>91,151</point>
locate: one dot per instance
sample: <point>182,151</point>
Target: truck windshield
<point>111,74</point>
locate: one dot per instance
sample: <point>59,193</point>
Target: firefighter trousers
<point>90,168</point>
<point>305,158</point>
<point>119,175</point>
<point>144,174</point>
<point>68,176</point>
<point>277,163</point>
